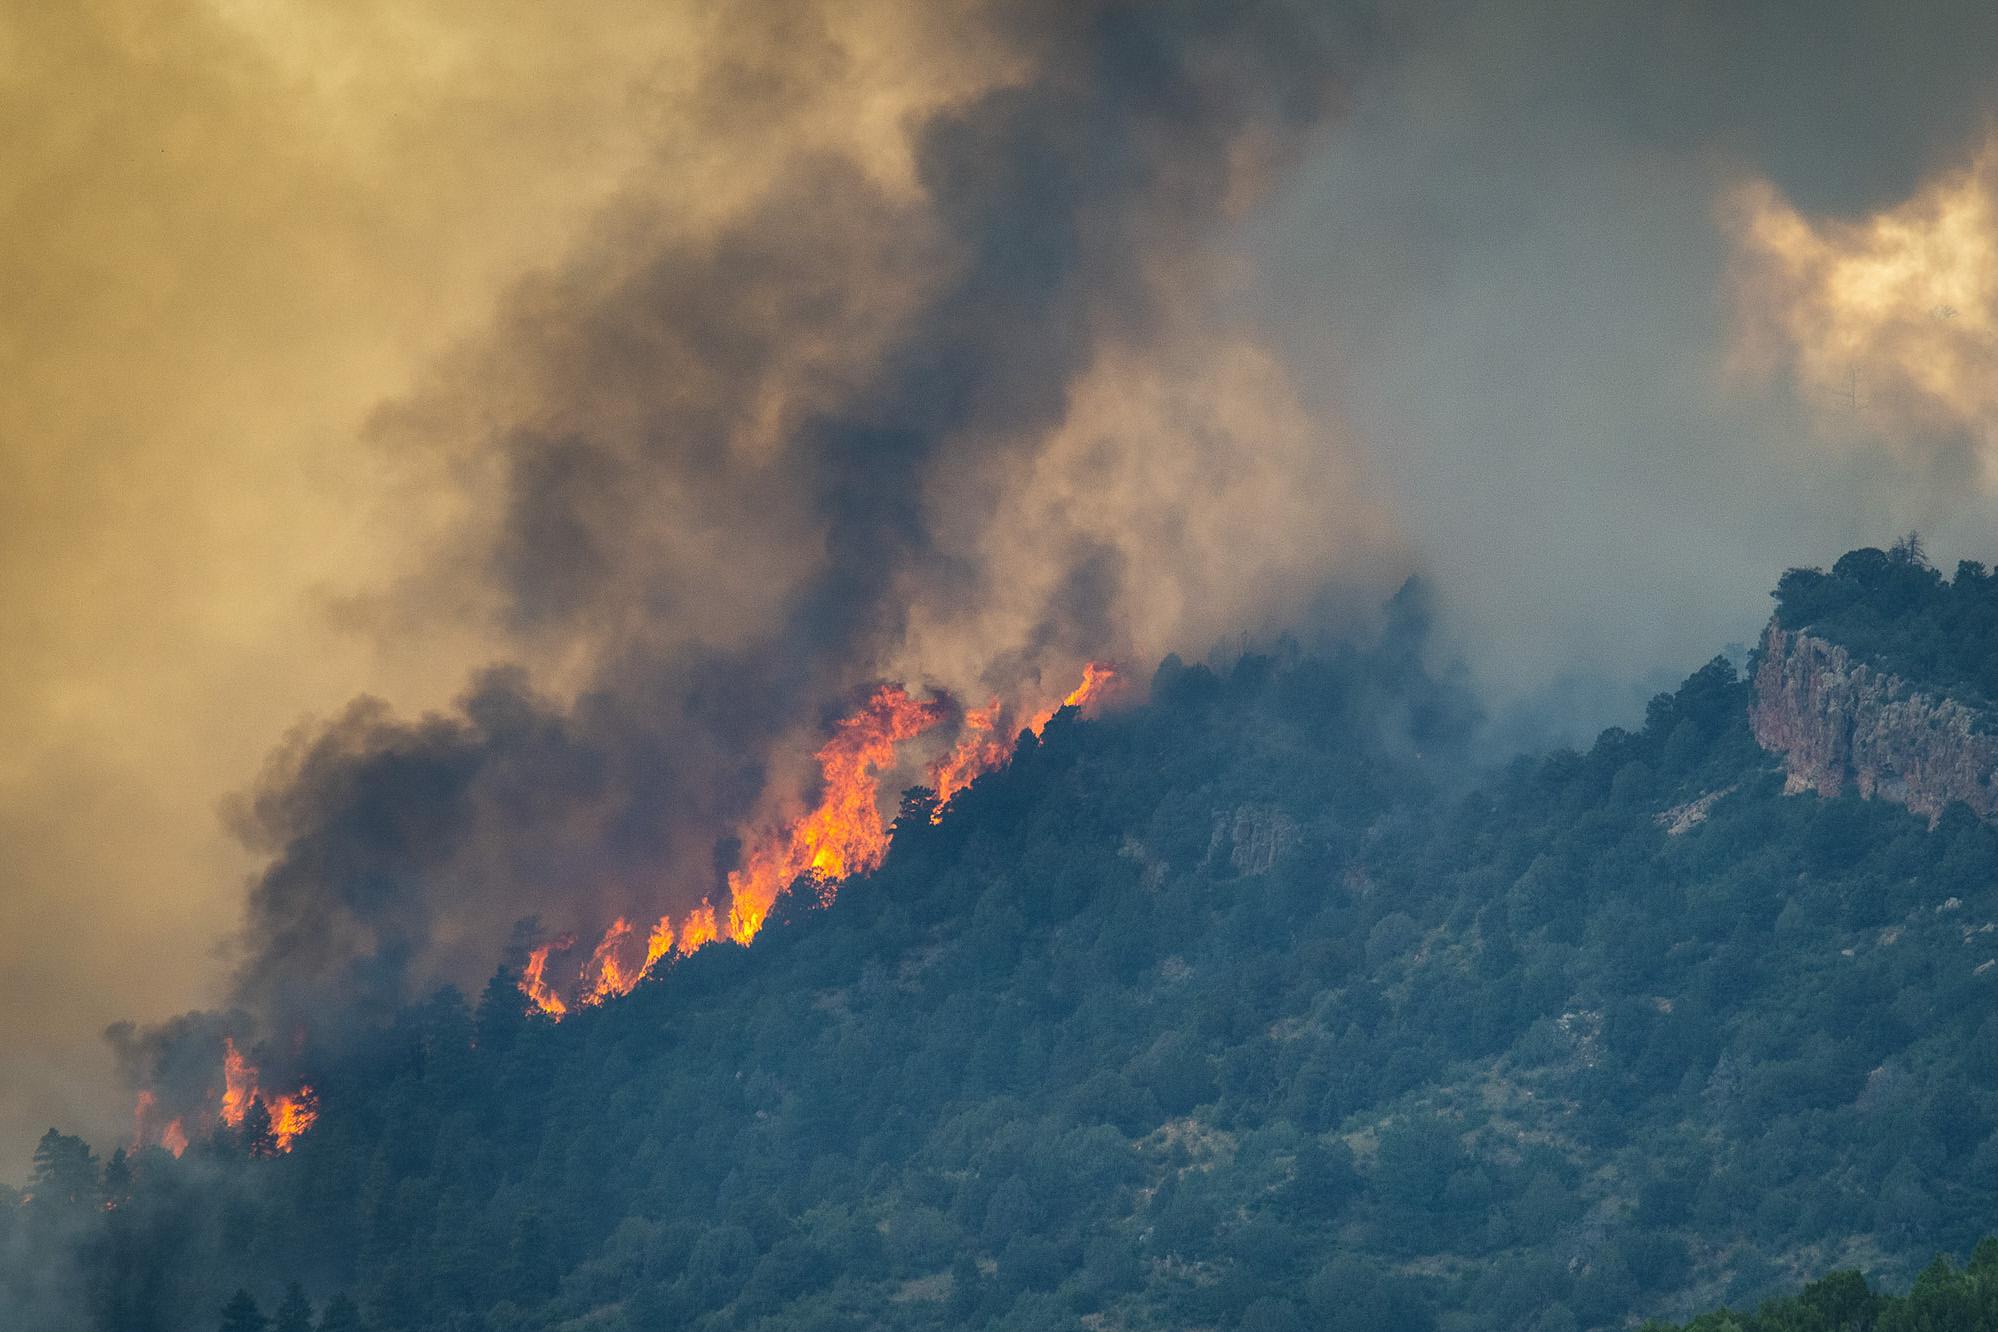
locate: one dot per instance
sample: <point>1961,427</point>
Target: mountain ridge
<point>1237,1009</point>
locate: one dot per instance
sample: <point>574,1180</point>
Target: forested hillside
<point>1943,1299</point>
<point>1893,609</point>
<point>1252,1006</point>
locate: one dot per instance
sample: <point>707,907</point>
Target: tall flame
<point>844,834</point>
<point>239,1084</point>
<point>612,978</point>
<point>657,945</point>
<point>840,836</point>
<point>1097,678</point>
<point>533,981</point>
<point>986,740</point>
<point>290,1115</point>
<point>981,747</point>
<point>171,1136</point>
<point>699,929</point>
<point>139,1115</point>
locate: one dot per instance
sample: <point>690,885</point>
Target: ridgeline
<point>1243,1008</point>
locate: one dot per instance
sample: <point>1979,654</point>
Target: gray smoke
<point>732,473</point>
<point>1507,268</point>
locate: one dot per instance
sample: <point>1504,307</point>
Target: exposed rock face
<point>1682,819</point>
<point>1252,838</point>
<point>1838,721</point>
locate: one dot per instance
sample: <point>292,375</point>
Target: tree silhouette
<point>241,1314</point>
<point>294,1313</point>
<point>341,1315</point>
<point>65,1170</point>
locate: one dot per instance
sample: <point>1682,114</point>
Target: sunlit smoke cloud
<point>1893,316</point>
<point>235,231</point>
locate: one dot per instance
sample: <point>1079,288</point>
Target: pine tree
<point>294,1314</point>
<point>117,1178</point>
<point>65,1170</point>
<point>341,1315</point>
<point>966,1287</point>
<point>502,1009</point>
<point>241,1314</point>
<point>258,1140</point>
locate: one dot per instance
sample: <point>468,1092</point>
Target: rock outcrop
<point>1682,819</point>
<point>1252,838</point>
<point>1839,722</point>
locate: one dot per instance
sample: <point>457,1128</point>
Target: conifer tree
<point>241,1314</point>
<point>294,1313</point>
<point>341,1315</point>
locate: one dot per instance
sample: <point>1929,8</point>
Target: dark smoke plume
<point>727,478</point>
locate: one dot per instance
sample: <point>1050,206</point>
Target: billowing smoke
<point>712,477</point>
<point>957,344</point>
<point>1514,268</point>
<point>1893,316</point>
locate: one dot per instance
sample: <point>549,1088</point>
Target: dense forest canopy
<point>1894,609</point>
<point>1943,1299</point>
<point>1249,1007</point>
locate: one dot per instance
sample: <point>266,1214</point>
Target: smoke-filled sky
<point>459,456</point>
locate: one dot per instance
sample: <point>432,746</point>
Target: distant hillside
<point>1239,1009</point>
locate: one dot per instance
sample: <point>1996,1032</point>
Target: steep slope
<point>1229,1011</point>
<point>1878,677</point>
<point>1839,722</point>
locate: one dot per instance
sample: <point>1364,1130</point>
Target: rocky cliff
<point>1838,721</point>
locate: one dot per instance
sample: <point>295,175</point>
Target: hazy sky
<point>350,350</point>
<point>1523,269</point>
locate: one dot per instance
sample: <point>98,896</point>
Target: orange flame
<point>844,835</point>
<point>698,930</point>
<point>239,1084</point>
<point>981,747</point>
<point>139,1115</point>
<point>986,742</point>
<point>535,986</point>
<point>172,1137</point>
<point>1097,677</point>
<point>291,1116</point>
<point>612,980</point>
<point>657,945</point>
